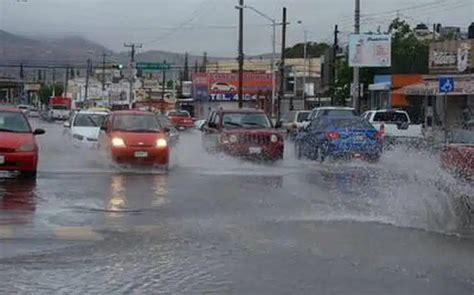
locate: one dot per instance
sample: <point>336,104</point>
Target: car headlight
<point>78,137</point>
<point>118,142</point>
<point>274,138</point>
<point>161,143</point>
<point>233,139</point>
<point>27,147</point>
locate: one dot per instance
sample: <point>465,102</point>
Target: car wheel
<point>29,174</point>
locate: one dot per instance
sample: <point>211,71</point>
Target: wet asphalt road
<point>215,225</point>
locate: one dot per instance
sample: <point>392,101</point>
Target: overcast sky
<point>211,25</point>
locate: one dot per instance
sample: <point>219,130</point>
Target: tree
<point>46,91</point>
<point>313,50</point>
<point>410,55</point>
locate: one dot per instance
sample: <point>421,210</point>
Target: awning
<point>431,88</point>
<point>384,86</point>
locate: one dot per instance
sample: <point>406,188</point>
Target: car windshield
<point>246,120</point>
<point>179,114</point>
<point>59,108</point>
<point>302,116</point>
<point>390,117</point>
<point>136,123</point>
<point>13,122</point>
<point>89,120</point>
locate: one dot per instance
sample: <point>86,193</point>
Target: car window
<point>13,122</point>
<point>136,123</point>
<point>59,108</point>
<point>338,113</point>
<point>246,120</point>
<point>179,114</point>
<point>390,117</point>
<point>89,120</point>
<point>462,137</point>
<point>302,116</point>
<point>289,117</point>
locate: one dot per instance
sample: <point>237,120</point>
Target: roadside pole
<point>356,82</point>
<point>86,95</point>
<point>282,67</point>
<point>445,114</point>
<point>241,54</point>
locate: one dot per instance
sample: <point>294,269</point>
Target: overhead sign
<point>152,66</point>
<point>446,84</point>
<point>452,56</point>
<point>370,50</point>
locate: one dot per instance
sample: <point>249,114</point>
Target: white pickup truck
<point>394,124</point>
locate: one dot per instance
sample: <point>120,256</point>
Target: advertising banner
<point>370,51</point>
<point>224,86</point>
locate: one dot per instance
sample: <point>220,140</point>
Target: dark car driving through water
<point>244,133</point>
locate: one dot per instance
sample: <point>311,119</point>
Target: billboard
<point>224,86</point>
<point>370,51</point>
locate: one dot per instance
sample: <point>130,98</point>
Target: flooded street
<point>218,225</point>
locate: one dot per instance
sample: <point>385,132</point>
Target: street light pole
<point>306,71</point>
<point>241,54</point>
<point>356,86</point>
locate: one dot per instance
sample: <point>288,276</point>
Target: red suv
<point>18,147</point>
<point>244,133</point>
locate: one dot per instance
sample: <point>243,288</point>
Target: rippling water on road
<point>215,224</point>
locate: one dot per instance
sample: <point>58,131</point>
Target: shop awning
<point>431,88</point>
<point>384,86</point>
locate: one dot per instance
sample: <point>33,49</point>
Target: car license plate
<point>141,154</point>
<point>357,156</point>
<point>359,138</point>
<point>255,150</point>
<point>2,160</point>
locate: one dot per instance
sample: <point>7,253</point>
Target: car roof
<point>132,112</point>
<point>239,111</point>
<point>88,112</point>
<point>334,108</point>
<point>10,109</point>
<point>388,111</point>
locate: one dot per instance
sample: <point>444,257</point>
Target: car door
<point>104,134</point>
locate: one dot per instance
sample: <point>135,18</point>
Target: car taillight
<point>333,135</point>
<point>378,135</point>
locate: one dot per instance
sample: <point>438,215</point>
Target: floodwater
<point>217,225</point>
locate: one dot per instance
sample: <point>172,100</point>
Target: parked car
<point>395,125</point>
<point>181,119</point>
<point>224,87</point>
<point>339,138</point>
<point>293,121</point>
<point>18,147</point>
<point>135,138</point>
<point>458,155</point>
<point>84,127</point>
<point>244,133</point>
<point>329,112</point>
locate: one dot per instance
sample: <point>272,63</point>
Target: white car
<point>221,86</point>
<point>59,112</point>
<point>394,123</point>
<point>84,127</point>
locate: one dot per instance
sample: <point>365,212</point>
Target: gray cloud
<point>211,25</point>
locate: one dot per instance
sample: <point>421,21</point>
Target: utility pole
<point>66,84</point>
<point>104,55</point>
<point>241,54</point>
<point>88,71</point>
<point>133,47</point>
<point>334,59</point>
<point>356,87</point>
<point>306,71</point>
<point>54,82</point>
<point>282,66</point>
<point>163,87</point>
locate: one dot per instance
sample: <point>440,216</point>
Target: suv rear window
<point>390,117</point>
<point>339,113</point>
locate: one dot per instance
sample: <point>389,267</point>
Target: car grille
<point>254,138</point>
<point>6,150</point>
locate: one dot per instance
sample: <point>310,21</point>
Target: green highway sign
<point>152,66</point>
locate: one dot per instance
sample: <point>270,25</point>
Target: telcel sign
<point>370,51</point>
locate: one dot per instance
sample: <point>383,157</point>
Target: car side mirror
<point>39,132</point>
<point>67,124</point>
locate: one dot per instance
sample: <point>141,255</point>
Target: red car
<point>136,138</point>
<point>181,119</point>
<point>244,133</point>
<point>458,155</point>
<point>18,147</point>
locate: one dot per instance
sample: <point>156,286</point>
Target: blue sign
<point>446,84</point>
